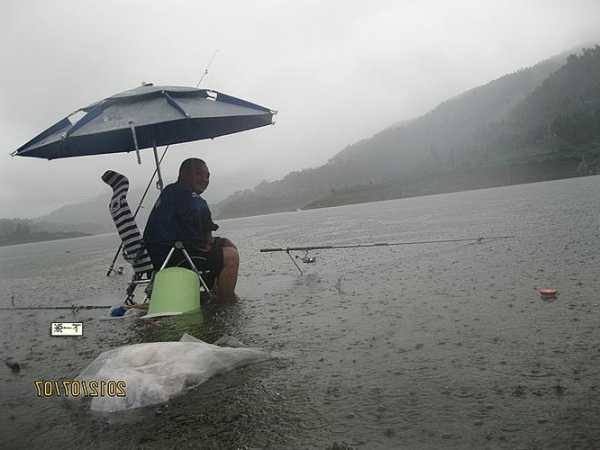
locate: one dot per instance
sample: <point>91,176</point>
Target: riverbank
<point>40,237</point>
<point>454,181</point>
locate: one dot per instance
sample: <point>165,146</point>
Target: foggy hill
<point>89,216</point>
<point>511,120</point>
<point>92,216</point>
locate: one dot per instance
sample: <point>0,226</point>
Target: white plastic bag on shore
<point>155,372</point>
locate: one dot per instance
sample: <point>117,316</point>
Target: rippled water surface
<point>419,346</point>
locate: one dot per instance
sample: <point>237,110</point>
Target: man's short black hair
<point>187,165</point>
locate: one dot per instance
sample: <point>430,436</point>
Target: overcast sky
<point>337,72</point>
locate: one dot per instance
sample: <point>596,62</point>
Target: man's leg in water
<point>225,283</point>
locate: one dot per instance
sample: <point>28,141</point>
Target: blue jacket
<point>179,215</point>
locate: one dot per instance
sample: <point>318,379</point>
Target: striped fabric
<point>133,248</point>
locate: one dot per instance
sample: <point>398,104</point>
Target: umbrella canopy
<point>147,116</point>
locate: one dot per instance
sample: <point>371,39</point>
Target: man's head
<point>194,173</point>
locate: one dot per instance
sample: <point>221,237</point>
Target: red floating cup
<point>547,292</point>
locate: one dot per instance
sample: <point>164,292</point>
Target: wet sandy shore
<point>433,346</point>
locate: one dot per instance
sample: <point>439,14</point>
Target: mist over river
<point>419,346</point>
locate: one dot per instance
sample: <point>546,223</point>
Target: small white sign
<point>66,329</point>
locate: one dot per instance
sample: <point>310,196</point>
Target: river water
<point>418,346</point>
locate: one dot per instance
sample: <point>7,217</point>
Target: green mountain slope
<point>532,114</point>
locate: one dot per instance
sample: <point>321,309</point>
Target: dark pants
<point>210,263</point>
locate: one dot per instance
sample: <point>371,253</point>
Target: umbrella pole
<point>160,180</point>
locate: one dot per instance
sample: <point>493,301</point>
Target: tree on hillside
<point>18,228</point>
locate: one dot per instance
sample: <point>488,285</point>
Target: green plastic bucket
<point>175,291</point>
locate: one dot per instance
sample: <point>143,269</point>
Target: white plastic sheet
<point>155,372</point>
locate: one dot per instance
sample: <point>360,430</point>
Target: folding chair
<point>178,245</point>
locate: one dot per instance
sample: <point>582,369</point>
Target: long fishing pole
<point>36,308</point>
<point>378,244</point>
<point>308,259</point>
<point>111,268</point>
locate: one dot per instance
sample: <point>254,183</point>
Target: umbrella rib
<point>89,116</point>
<point>171,101</point>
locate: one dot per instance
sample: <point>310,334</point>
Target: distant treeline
<point>18,231</point>
<point>14,227</point>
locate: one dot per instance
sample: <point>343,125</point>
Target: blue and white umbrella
<point>145,117</point>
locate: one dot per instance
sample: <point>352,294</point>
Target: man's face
<point>198,178</point>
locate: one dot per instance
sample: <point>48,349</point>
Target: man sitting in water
<point>181,214</point>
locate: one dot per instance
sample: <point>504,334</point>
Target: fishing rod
<point>37,308</point>
<point>380,244</point>
<point>111,268</point>
<point>206,68</point>
<point>311,259</point>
